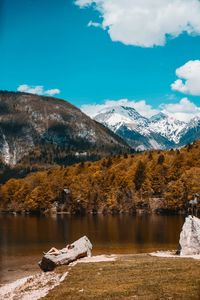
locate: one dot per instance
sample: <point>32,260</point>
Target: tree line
<point>119,183</point>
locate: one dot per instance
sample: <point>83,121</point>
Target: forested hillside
<point>121,183</point>
<point>42,131</point>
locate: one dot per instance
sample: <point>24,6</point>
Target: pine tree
<point>140,175</point>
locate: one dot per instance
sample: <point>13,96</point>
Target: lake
<point>24,238</point>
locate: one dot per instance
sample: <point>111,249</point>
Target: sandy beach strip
<point>37,286</point>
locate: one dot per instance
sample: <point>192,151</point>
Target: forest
<point>160,181</point>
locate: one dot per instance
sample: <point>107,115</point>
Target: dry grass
<point>132,277</point>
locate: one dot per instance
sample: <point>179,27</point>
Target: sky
<point>145,53</point>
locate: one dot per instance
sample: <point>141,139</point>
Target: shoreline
<point>138,212</point>
<point>39,285</point>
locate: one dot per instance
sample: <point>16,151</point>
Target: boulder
<point>78,249</point>
<point>190,237</point>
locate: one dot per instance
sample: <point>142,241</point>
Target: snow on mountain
<point>115,117</point>
<point>131,126</point>
<point>167,127</point>
<point>158,132</point>
<point>34,127</point>
<point>191,131</point>
<point>194,123</point>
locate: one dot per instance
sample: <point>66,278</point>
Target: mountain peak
<point>195,119</point>
<point>159,131</point>
<point>167,126</point>
<point>122,110</point>
<point>118,116</point>
<point>37,124</point>
<point>158,117</point>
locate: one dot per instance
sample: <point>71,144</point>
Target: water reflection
<point>25,237</point>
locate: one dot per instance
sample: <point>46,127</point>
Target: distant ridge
<point>158,132</point>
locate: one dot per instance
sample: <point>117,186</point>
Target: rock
<point>78,249</point>
<point>190,237</point>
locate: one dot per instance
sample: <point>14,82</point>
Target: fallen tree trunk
<point>78,249</point>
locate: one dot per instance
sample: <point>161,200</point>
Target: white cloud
<point>141,106</point>
<point>184,110</point>
<point>189,78</point>
<point>146,23</point>
<point>94,24</point>
<point>30,89</point>
<point>38,90</point>
<point>83,3</point>
<point>52,92</point>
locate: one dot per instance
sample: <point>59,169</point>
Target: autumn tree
<point>140,175</point>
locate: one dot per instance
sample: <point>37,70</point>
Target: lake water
<point>24,238</point>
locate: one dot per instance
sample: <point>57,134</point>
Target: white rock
<point>190,236</point>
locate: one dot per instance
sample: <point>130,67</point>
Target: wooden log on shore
<point>78,249</point>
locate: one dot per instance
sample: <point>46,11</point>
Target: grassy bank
<point>132,277</point>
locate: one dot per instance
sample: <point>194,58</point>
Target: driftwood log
<point>78,249</point>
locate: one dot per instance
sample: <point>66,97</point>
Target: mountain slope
<point>140,133</point>
<point>115,117</point>
<point>158,132</point>
<point>166,126</point>
<point>191,131</point>
<point>44,129</point>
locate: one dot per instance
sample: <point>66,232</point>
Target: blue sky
<point>48,43</point>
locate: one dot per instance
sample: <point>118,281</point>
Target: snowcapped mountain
<point>117,116</point>
<point>167,126</point>
<point>158,132</point>
<point>190,132</point>
<point>130,125</point>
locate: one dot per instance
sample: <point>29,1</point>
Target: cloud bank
<point>189,78</point>
<point>146,23</point>
<point>38,90</point>
<point>184,110</point>
<point>141,106</point>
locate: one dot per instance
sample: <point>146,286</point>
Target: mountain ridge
<point>160,131</point>
<point>53,130</point>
